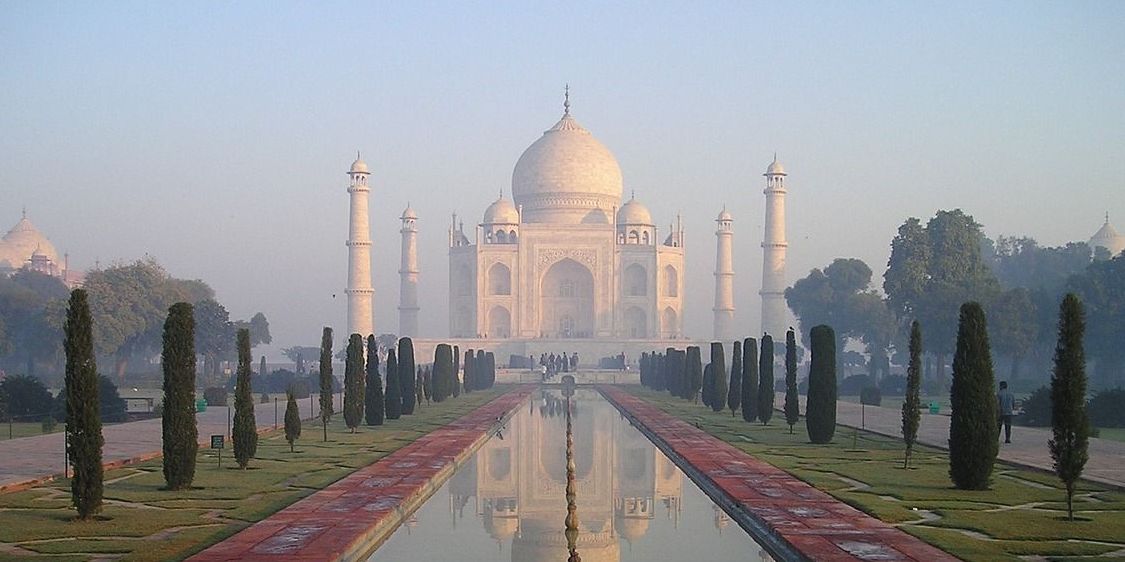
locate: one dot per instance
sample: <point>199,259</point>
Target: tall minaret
<point>724,277</point>
<point>361,312</point>
<point>773,253</point>
<point>408,276</point>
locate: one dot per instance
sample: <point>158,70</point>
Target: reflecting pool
<point>508,501</point>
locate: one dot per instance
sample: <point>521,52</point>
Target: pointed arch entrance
<point>566,295</point>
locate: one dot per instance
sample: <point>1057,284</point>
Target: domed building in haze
<point>1108,238</point>
<point>565,257</point>
<point>25,247</point>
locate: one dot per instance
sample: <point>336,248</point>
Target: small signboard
<point>217,441</point>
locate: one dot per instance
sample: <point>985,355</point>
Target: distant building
<point>1108,238</point>
<point>25,247</point>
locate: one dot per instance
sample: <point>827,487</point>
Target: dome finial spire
<point>566,99</point>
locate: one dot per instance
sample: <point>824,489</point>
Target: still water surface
<point>508,501</point>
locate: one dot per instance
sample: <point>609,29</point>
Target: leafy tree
<point>1014,329</point>
<point>973,421</point>
<point>259,328</point>
<point>326,380</point>
<point>1070,427</point>
<point>299,354</point>
<point>406,369</point>
<point>83,424</point>
<point>734,395</point>
<point>27,398</point>
<point>32,306</point>
<point>765,380</point>
<point>373,389</point>
<point>750,379</point>
<point>694,375</point>
<point>719,390</point>
<point>912,405</point>
<point>792,404</point>
<point>353,383</point>
<point>443,372</point>
<point>244,435</point>
<point>393,397</point>
<point>180,436</point>
<point>292,419</point>
<point>214,333</point>
<point>933,269</point>
<point>1102,291</point>
<point>820,411</point>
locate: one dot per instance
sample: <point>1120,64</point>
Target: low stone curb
<point>792,519</point>
<point>349,518</point>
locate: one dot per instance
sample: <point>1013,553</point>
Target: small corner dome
<point>408,212</point>
<point>358,167</point>
<point>501,211</point>
<point>725,215</point>
<point>634,212</point>
<point>775,168</point>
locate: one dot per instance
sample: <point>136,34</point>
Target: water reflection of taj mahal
<point>517,484</point>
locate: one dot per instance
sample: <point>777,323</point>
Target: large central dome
<point>567,176</point>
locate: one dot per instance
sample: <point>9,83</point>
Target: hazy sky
<point>215,136</point>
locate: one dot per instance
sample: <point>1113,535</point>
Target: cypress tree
<point>749,379</point>
<point>661,373</point>
<point>292,419</point>
<point>1070,426</point>
<point>245,431</point>
<point>469,367</point>
<point>353,383</point>
<point>694,375</point>
<point>792,405</point>
<point>373,389</point>
<point>480,365</point>
<point>490,359</point>
<point>676,368</point>
<point>973,420</point>
<point>443,371</point>
<point>734,395</point>
<point>707,393</point>
<point>719,390</point>
<point>765,380</point>
<point>83,422</point>
<point>820,411</point>
<point>428,390</point>
<point>420,386</point>
<point>180,436</point>
<point>406,373</point>
<point>912,404</point>
<point>326,379</point>
<point>456,371</point>
<point>393,397</point>
<point>262,367</point>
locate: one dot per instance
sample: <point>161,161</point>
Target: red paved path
<point>344,519</point>
<point>813,522</point>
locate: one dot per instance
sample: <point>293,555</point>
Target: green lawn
<point>21,429</point>
<point>1114,433</point>
<point>1021,516</point>
<point>142,522</point>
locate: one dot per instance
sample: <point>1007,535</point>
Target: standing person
<point>1005,404</point>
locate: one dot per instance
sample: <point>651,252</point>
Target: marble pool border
<point>348,519</point>
<point>791,519</point>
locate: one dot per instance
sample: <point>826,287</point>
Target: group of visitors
<point>551,364</point>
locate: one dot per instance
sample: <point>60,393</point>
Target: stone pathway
<point>785,511</point>
<point>344,520</point>
<point>1028,447</point>
<point>27,461</point>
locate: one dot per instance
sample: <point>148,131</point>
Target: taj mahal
<point>566,262</point>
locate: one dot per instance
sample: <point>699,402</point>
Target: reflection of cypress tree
<point>180,434</point>
<point>353,383</point>
<point>792,406</point>
<point>1070,428</point>
<point>406,374</point>
<point>972,422</point>
<point>292,419</point>
<point>820,410</point>
<point>734,395</point>
<point>719,374</point>
<point>749,379</point>
<point>393,398</point>
<point>245,430</point>
<point>373,409</point>
<point>694,376</point>
<point>83,424</point>
<point>326,381</point>
<point>765,380</point>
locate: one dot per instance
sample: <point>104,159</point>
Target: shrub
<point>264,398</point>
<point>1105,408</point>
<point>48,424</point>
<point>215,395</point>
<point>871,396</point>
<point>854,385</point>
<point>894,385</point>
<point>26,396</point>
<point>1036,409</point>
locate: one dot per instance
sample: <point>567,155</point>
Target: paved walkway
<point>30,460</point>
<point>1028,446</point>
<point>788,516</point>
<point>344,520</point>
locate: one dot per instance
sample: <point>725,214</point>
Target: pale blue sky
<point>215,136</point>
